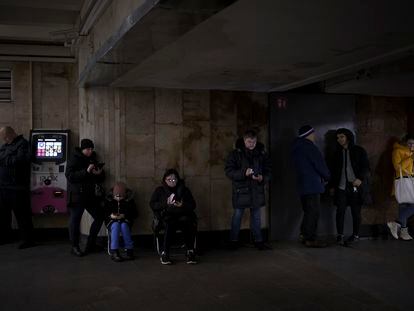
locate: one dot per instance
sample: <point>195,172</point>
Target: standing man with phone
<point>249,168</point>
<point>83,173</point>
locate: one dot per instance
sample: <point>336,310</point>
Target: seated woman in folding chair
<point>173,206</point>
<point>120,213</point>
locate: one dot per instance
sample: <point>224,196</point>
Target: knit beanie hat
<point>305,131</point>
<point>86,143</point>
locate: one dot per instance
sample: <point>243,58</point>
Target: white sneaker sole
<point>393,229</point>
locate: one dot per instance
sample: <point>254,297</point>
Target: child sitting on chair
<point>120,212</point>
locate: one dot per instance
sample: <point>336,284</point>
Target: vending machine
<point>48,182</point>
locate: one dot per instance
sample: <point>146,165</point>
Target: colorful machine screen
<point>49,148</point>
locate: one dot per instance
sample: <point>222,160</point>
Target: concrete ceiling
<point>270,45</point>
<point>353,46</point>
<point>37,20</point>
<point>38,29</point>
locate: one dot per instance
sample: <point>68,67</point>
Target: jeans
<point>405,211</point>
<point>343,200</point>
<point>311,210</point>
<point>115,230</point>
<point>255,224</point>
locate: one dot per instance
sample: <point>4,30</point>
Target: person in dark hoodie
<point>15,187</point>
<point>311,176</point>
<point>173,205</point>
<point>249,168</point>
<point>83,173</point>
<point>120,212</point>
<point>349,168</point>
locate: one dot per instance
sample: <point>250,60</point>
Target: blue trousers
<point>115,231</point>
<point>255,224</point>
<point>405,211</point>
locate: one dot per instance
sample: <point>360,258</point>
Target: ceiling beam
<point>67,5</point>
<point>390,56</point>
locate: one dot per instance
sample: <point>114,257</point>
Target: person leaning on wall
<point>350,168</point>
<point>15,187</point>
<point>84,173</point>
<point>249,168</point>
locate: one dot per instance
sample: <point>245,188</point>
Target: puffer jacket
<point>81,184</point>
<point>248,193</point>
<point>126,206</point>
<point>15,164</point>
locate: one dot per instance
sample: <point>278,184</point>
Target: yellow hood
<point>402,158</point>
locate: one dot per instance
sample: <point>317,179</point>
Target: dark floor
<point>374,275</point>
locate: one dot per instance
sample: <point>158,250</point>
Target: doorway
<point>288,112</point>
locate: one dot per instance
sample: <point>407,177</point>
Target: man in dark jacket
<point>83,173</point>
<point>311,176</point>
<point>15,186</point>
<point>249,168</point>
<point>349,169</point>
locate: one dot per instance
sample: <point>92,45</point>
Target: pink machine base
<point>48,200</point>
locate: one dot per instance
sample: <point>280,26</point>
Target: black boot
<point>76,251</point>
<point>115,256</point>
<point>129,254</point>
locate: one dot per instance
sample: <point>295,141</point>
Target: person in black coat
<point>120,212</point>
<point>350,168</point>
<point>249,168</point>
<point>173,206</point>
<point>84,173</point>
<point>15,186</point>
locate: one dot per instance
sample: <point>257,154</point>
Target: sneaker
<point>405,236</point>
<point>315,244</point>
<point>76,251</point>
<point>394,229</point>
<point>165,259</point>
<point>115,256</point>
<point>191,260</point>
